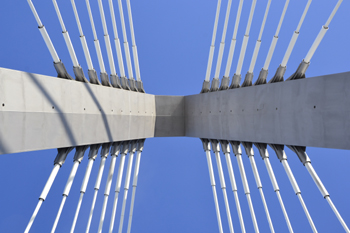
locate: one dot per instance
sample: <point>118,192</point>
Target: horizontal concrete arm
<point>41,112</point>
<point>306,112</point>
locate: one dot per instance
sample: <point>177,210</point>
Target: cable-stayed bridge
<point>260,217</point>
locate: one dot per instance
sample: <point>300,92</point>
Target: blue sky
<point>174,192</point>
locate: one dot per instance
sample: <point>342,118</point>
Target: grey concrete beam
<point>306,112</point>
<point>41,112</point>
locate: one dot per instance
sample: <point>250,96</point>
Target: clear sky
<point>174,192</point>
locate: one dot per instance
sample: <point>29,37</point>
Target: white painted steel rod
<point>234,189</point>
<point>116,40</point>
<point>275,38</point>
<point>66,36</point>
<point>106,38</point>
<point>223,187</point>
<point>298,193</point>
<point>96,41</point>
<point>134,48</point>
<point>127,183</point>
<point>134,183</point>
<point>233,41</point>
<point>247,191</point>
<point>43,195</point>
<point>277,191</point>
<point>212,45</point>
<point>245,39</point>
<point>212,181</point>
<point>124,151</point>
<point>295,36</point>
<point>126,45</point>
<point>222,44</point>
<point>66,193</point>
<point>44,34</point>
<point>82,191</point>
<point>82,38</point>
<point>259,185</point>
<point>321,34</point>
<point>104,154</point>
<point>59,161</point>
<point>258,42</point>
<point>324,192</point>
<point>114,153</point>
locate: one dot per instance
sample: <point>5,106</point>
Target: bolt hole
<point>276,108</point>
<point>84,109</point>
<point>53,107</point>
<point>314,106</point>
<point>230,110</point>
<point>3,105</point>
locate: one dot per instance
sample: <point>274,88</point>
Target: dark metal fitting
<point>93,77</point>
<point>225,82</point>
<point>124,148</point>
<point>79,74</point>
<point>236,80</point>
<point>248,80</point>
<point>301,153</point>
<point>140,144</point>
<point>115,81</point>
<point>115,150</point>
<point>61,70</point>
<point>205,87</point>
<point>132,85</point>
<point>300,73</point>
<point>206,144</point>
<point>215,145</point>
<point>94,151</point>
<point>124,83</point>
<point>214,84</point>
<point>225,146</point>
<point>139,86</point>
<point>262,147</point>
<point>104,79</point>
<point>279,150</point>
<point>62,155</point>
<point>105,149</point>
<point>236,147</point>
<point>79,153</point>
<point>278,77</point>
<point>262,77</point>
<point>132,146</point>
<point>248,146</point>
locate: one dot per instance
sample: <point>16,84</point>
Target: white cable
<point>96,42</point>
<point>259,185</point>
<point>212,182</point>
<point>233,41</point>
<point>66,36</point>
<point>82,38</point>
<point>134,185</point>
<point>222,44</point>
<point>246,190</point>
<point>116,40</point>
<point>44,34</point>
<point>126,45</point>
<point>245,39</point>
<point>234,189</point>
<point>275,38</point>
<point>134,48</point>
<point>97,187</point>
<point>106,38</point>
<point>43,195</point>
<point>258,42</point>
<point>126,189</point>
<point>117,190</point>
<point>223,187</point>
<point>212,45</point>
<point>295,36</point>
